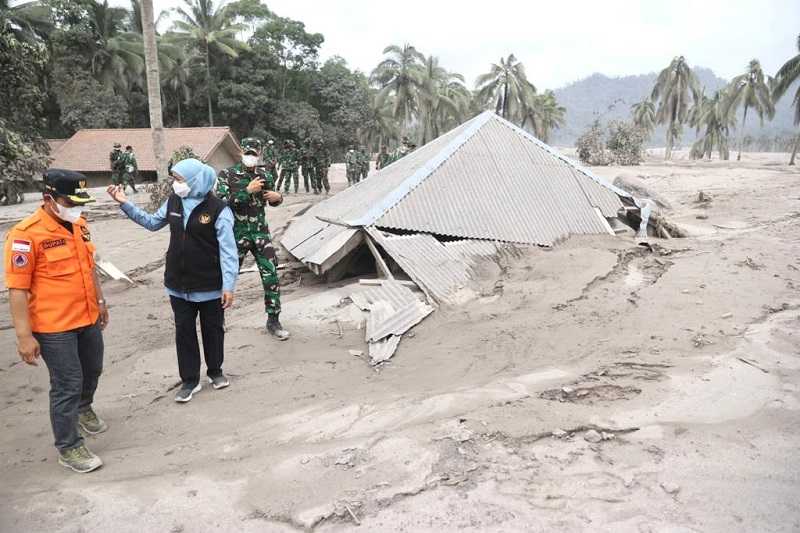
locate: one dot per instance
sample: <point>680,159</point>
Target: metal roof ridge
<point>394,197</point>
<point>583,170</point>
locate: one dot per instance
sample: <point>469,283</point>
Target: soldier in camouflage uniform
<point>115,158</point>
<point>323,163</point>
<point>363,163</point>
<point>130,169</point>
<point>307,162</point>
<point>289,164</point>
<point>383,158</point>
<point>248,188</point>
<point>351,164</point>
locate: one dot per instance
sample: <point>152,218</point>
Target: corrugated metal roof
<point>382,351</point>
<point>486,179</point>
<point>398,322</point>
<point>437,270</point>
<point>390,291</point>
<point>469,250</point>
<point>500,185</point>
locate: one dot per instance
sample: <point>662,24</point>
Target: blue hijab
<point>200,178</point>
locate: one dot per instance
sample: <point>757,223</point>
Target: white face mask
<point>250,161</point>
<point>181,188</point>
<point>68,214</point>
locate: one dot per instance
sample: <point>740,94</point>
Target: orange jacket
<point>57,268</point>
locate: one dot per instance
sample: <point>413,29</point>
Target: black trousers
<point>213,332</point>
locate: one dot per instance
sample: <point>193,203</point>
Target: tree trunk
<point>180,122</point>
<point>208,87</point>
<point>668,147</point>
<point>794,150</point>
<point>741,140</point>
<point>505,101</point>
<point>153,88</point>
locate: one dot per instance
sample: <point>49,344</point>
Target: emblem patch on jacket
<point>205,218</point>
<point>19,260</point>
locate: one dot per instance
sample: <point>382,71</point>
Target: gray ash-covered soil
<point>599,385</point>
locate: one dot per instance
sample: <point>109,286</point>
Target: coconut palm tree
<point>549,115</point>
<point>153,87</point>
<point>176,64</point>
<point>441,98</point>
<point>117,58</point>
<point>673,88</point>
<point>787,76</point>
<point>381,126</point>
<point>209,29</point>
<point>751,90</point>
<point>644,115</point>
<point>717,118</point>
<point>400,75</point>
<point>507,85</point>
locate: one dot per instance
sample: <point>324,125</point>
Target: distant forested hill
<point>599,96</point>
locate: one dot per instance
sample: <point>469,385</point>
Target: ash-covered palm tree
<point>441,98</point>
<point>211,29</point>
<point>400,75</point>
<point>380,126</point>
<point>751,90</point>
<point>675,89</point>
<point>118,55</point>
<point>716,117</point>
<point>644,115</point>
<point>507,85</point>
<point>787,76</point>
<point>177,65</point>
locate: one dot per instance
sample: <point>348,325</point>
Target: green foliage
<point>85,102</point>
<point>22,65</point>
<point>674,87</point>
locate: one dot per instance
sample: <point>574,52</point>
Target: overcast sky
<point>559,41</point>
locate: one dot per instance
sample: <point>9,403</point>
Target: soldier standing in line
<point>115,158</point>
<point>248,188</point>
<point>383,158</point>
<point>363,163</point>
<point>288,161</point>
<point>129,169</point>
<point>351,165</point>
<point>306,160</point>
<point>323,162</point>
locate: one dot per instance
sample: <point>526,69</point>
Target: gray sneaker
<point>219,382</point>
<point>80,459</point>
<point>91,423</point>
<point>186,392</point>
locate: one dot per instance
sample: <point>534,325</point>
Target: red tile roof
<point>87,150</point>
<point>55,145</point>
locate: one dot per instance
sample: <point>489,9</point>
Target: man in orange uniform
<point>58,310</point>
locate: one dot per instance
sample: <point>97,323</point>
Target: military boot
<point>275,329</point>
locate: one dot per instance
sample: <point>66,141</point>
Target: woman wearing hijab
<point>201,268</point>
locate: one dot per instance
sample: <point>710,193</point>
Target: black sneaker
<point>186,392</point>
<point>219,382</point>
<point>275,329</point>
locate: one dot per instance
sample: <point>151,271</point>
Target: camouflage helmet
<point>117,145</point>
<point>250,144</point>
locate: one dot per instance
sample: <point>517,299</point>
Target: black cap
<point>67,183</point>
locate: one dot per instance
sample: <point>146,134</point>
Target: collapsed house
<point>482,189</point>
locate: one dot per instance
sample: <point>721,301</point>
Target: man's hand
<point>256,185</point>
<point>28,348</point>
<point>272,196</point>
<point>103,315</point>
<point>227,299</point>
<point>117,193</point>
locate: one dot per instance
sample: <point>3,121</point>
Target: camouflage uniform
<point>383,159</point>
<point>115,158</point>
<point>351,164</point>
<point>307,162</point>
<point>363,163</point>
<point>289,164</point>
<point>129,169</point>
<point>250,224</point>
<point>322,163</point>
